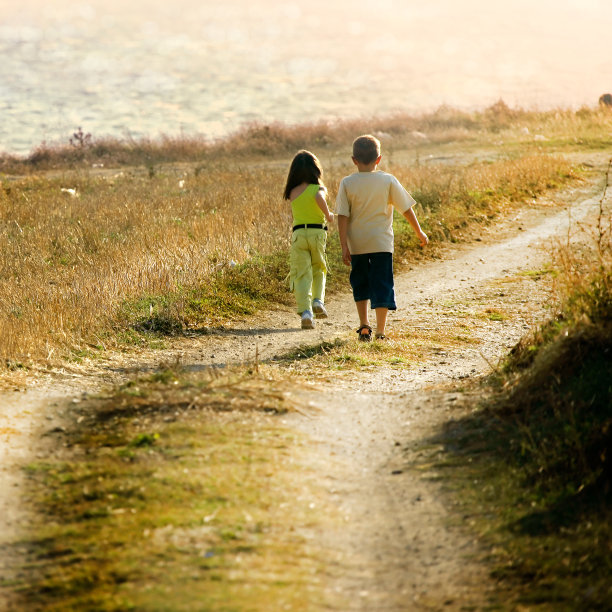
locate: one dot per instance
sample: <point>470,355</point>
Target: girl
<point>306,192</point>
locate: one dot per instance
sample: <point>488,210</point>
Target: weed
<point>80,139</point>
<point>144,439</point>
<point>493,314</point>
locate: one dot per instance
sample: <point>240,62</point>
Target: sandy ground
<point>395,548</point>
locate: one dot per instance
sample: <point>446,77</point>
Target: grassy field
<point>182,237</point>
<point>178,479</point>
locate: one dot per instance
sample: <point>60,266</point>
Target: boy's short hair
<point>366,149</point>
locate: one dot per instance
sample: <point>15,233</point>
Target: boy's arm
<point>414,222</point>
<point>343,232</point>
<point>322,204</point>
<point>399,196</point>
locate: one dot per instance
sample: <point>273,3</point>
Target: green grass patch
<point>231,293</point>
<point>494,314</point>
<point>175,493</point>
<point>540,273</point>
<point>403,349</point>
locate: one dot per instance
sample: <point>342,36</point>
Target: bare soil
<point>399,545</point>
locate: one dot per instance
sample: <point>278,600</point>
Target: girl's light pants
<point>307,265</point>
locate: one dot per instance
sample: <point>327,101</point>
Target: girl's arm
<point>322,204</point>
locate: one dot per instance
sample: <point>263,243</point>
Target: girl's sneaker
<point>307,320</point>
<point>319,309</point>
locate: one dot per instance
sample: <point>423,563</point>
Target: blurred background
<point>142,68</point>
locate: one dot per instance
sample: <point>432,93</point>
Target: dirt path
<point>396,549</point>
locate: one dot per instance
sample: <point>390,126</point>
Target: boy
<point>364,209</point>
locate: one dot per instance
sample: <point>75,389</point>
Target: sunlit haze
<point>144,68</point>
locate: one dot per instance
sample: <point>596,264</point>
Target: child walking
<point>365,223</point>
<point>306,193</point>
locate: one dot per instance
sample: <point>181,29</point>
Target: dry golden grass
<point>79,244</point>
<point>584,261</point>
<point>479,192</point>
<point>84,254</point>
<point>498,124</point>
<point>68,260</point>
<point>581,271</point>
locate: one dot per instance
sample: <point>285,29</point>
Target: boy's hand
<point>346,255</point>
<point>342,232</point>
<point>330,218</point>
<point>421,235</point>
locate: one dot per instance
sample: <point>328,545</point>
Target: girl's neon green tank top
<point>305,208</point>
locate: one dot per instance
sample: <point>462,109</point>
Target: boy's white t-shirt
<point>367,199</point>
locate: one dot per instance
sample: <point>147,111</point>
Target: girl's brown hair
<point>305,168</point>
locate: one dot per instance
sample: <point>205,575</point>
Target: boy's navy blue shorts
<point>372,279</point>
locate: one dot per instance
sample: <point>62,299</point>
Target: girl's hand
<point>330,217</point>
<point>423,239</point>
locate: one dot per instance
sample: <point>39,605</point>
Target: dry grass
<point>584,262</point>
<point>404,349</point>
<point>455,198</point>
<point>581,267</point>
<point>87,256</point>
<point>69,260</point>
<point>561,128</point>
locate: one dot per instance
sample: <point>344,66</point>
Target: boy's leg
<point>364,331</point>
<point>362,312</point>
<point>360,282</point>
<point>381,320</point>
<point>382,287</point>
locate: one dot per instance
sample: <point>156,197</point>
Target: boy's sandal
<point>381,337</point>
<point>367,336</point>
